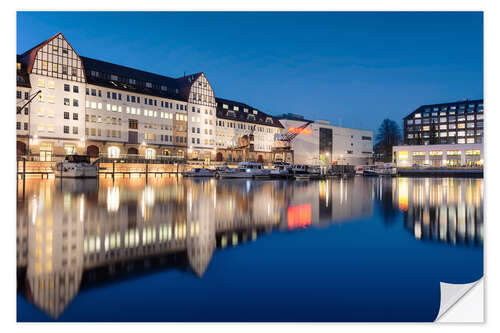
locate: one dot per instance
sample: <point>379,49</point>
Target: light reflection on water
<point>74,234</point>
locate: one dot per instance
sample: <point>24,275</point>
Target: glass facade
<point>442,129</point>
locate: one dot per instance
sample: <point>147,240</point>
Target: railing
<point>135,158</point>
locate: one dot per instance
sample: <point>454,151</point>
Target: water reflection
<point>75,234</point>
<point>445,210</point>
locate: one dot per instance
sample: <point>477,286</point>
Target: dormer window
<point>94,73</point>
<point>235,108</point>
<point>18,66</point>
<point>269,120</point>
<point>131,81</point>
<point>114,77</point>
<point>149,85</point>
<point>231,113</point>
<point>245,110</point>
<point>225,106</point>
<point>251,117</point>
<point>164,88</point>
<point>255,111</point>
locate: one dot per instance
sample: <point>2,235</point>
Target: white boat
<point>306,172</point>
<point>385,170</point>
<point>299,169</point>
<point>199,172</point>
<point>281,170</point>
<point>245,170</point>
<point>76,166</point>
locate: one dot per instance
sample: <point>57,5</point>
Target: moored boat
<point>199,172</point>
<point>76,166</point>
<point>245,170</point>
<point>281,170</point>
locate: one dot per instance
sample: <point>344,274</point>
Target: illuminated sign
<point>297,130</point>
<point>299,216</point>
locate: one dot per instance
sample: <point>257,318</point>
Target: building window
<point>75,116</point>
<point>75,130</point>
<point>66,101</point>
<point>66,129</point>
<point>75,89</point>
<point>66,115</point>
<point>66,87</point>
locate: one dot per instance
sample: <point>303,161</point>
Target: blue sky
<point>352,68</point>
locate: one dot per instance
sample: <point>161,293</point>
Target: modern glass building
<point>443,135</point>
<point>447,123</point>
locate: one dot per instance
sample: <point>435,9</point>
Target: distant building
<point>322,144</point>
<point>446,134</point>
<point>446,123</point>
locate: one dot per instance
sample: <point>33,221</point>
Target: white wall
<point>348,147</point>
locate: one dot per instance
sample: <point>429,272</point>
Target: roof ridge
<point>129,68</point>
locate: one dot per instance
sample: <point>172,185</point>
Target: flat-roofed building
<point>443,135</point>
<point>322,144</point>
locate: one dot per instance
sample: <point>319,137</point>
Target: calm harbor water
<point>173,249</point>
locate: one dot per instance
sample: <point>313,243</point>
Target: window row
<point>50,129</point>
<point>196,130</point>
<point>135,99</point>
<point>18,126</point>
<point>109,133</point>
<point>19,94</point>
<point>100,119</point>
<point>205,141</point>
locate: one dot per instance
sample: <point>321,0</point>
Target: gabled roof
<point>22,77</point>
<point>28,57</point>
<point>241,115</point>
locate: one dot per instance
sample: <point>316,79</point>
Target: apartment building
<point>93,107</point>
<point>443,135</point>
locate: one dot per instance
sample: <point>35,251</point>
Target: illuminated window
<point>418,153</point>
<point>436,153</point>
<point>113,152</point>
<point>403,155</point>
<point>70,149</point>
<point>473,152</point>
<point>453,152</point>
<point>41,83</point>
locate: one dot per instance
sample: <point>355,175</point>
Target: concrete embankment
<point>441,172</point>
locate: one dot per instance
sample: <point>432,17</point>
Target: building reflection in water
<point>445,210</point>
<point>75,234</point>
